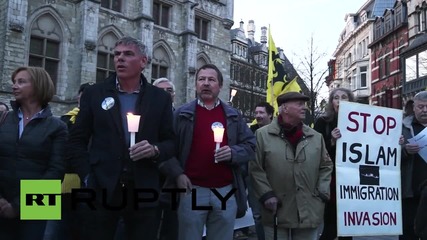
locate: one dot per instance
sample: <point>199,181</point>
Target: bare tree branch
<point>313,69</point>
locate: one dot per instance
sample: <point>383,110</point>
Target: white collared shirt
<point>202,104</point>
<point>21,120</point>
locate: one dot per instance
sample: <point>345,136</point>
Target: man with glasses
<point>168,229</point>
<point>413,166</point>
<point>168,86</point>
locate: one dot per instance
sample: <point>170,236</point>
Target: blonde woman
<point>32,145</point>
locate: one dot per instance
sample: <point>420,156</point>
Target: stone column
<point>89,14</point>
<point>13,42</point>
<point>146,32</point>
<point>189,42</point>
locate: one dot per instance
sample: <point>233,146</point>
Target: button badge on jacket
<point>107,103</point>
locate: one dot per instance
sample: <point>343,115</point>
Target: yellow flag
<point>276,78</point>
<point>292,86</point>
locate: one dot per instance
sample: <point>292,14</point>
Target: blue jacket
<point>240,139</point>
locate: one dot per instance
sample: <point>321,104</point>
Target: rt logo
<point>40,199</point>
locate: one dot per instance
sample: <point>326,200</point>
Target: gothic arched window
<point>105,56</point>
<point>45,42</point>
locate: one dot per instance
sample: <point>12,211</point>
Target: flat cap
<point>291,96</point>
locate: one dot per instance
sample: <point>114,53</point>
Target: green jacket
<point>300,179</point>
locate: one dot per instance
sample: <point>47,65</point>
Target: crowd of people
<point>172,181</point>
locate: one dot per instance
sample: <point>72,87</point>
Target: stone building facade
<point>414,56</point>
<point>390,37</point>
<point>249,68</point>
<point>351,65</point>
<point>73,41</point>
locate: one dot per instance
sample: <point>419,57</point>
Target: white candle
<point>218,135</point>
<point>132,139</point>
<point>133,126</point>
<point>233,93</point>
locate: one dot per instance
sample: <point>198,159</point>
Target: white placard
<point>368,170</point>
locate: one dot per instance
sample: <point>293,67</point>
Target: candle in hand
<point>218,130</point>
<point>233,93</point>
<point>133,126</point>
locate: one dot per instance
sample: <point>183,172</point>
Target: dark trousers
<point>70,225</point>
<point>15,229</point>
<point>139,223</point>
<point>409,210</point>
<point>169,224</point>
<point>330,223</point>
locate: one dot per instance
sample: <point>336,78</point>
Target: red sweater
<point>201,167</point>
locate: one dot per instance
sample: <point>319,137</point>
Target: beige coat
<point>299,180</point>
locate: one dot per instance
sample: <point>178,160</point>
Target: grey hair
<point>133,41</point>
<point>421,96</point>
<point>330,113</point>
<point>160,80</point>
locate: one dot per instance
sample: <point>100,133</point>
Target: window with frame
<point>378,26</point>
<point>158,71</point>
<point>364,48</point>
<point>363,76</point>
<point>161,13</point>
<point>386,66</point>
<point>354,79</point>
<point>236,73</point>
<point>115,5</point>
<point>416,66</point>
<point>160,64</point>
<point>423,19</point>
<point>422,64</point>
<point>45,43</point>
<point>348,60</point>
<point>387,22</point>
<point>349,82</point>
<point>359,50</point>
<point>411,68</point>
<point>105,57</point>
<point>201,27</point>
<point>398,14</point>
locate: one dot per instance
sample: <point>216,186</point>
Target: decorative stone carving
<point>16,27</point>
<point>191,70</point>
<point>227,23</point>
<point>90,45</point>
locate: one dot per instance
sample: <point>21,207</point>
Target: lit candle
<point>133,125</point>
<point>218,131</point>
<point>233,93</point>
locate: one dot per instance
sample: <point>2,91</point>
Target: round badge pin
<point>217,125</point>
<point>107,103</point>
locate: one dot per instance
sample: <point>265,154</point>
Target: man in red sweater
<point>209,175</point>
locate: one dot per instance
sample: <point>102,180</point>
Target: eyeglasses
<point>169,90</point>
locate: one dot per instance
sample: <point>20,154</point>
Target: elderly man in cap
<point>291,172</point>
